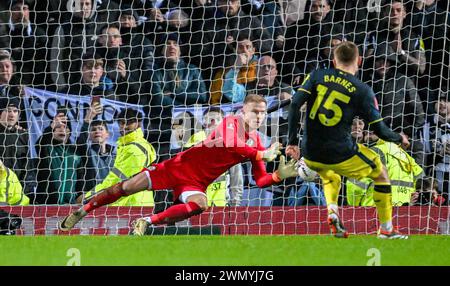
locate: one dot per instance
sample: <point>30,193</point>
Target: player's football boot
<point>393,234</point>
<point>70,221</point>
<point>336,226</point>
<point>139,226</point>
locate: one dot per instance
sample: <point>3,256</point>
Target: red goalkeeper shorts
<point>162,179</point>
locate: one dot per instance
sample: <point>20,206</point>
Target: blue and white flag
<point>41,107</point>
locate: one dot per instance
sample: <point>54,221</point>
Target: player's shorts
<point>160,179</point>
<point>366,163</point>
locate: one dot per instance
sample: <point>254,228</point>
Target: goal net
<point>92,91</point>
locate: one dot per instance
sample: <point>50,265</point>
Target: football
<point>305,172</point>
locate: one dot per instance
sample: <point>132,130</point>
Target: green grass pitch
<point>224,250</point>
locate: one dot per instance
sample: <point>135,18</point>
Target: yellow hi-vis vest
<point>217,191</point>
<point>403,172</point>
<point>133,154</point>
<point>11,192</point>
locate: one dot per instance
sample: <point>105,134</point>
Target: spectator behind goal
<point>14,151</point>
<point>60,173</point>
<point>27,42</point>
<point>96,154</point>
<point>93,80</point>
<point>11,192</point>
<point>427,193</point>
<point>403,171</point>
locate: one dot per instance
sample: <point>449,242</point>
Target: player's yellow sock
<point>331,188</point>
<point>382,197</point>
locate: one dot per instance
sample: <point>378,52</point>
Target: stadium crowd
<point>163,54</point>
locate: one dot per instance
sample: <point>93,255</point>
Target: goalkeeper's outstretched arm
<point>264,179</point>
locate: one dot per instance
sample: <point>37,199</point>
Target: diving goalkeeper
<point>190,172</point>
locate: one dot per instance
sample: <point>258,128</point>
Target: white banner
<point>41,107</point>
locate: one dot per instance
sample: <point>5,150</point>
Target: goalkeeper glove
<point>286,170</point>
<point>272,152</point>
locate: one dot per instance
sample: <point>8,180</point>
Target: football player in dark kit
<point>334,97</point>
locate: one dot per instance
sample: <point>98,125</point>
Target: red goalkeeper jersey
<point>226,146</point>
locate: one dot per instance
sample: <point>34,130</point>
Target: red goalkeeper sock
<point>176,213</point>
<point>104,197</point>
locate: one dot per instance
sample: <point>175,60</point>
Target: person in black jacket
<point>303,40</point>
<point>27,42</point>
<point>8,78</point>
<point>120,66</point>
<point>72,38</point>
<point>432,24</point>
<point>137,51</point>
<point>93,81</point>
<point>400,104</point>
<point>14,151</point>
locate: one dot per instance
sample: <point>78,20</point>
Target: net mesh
<point>72,70</point>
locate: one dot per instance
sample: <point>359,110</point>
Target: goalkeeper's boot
<point>393,234</point>
<point>71,220</point>
<point>139,227</point>
<point>336,226</point>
